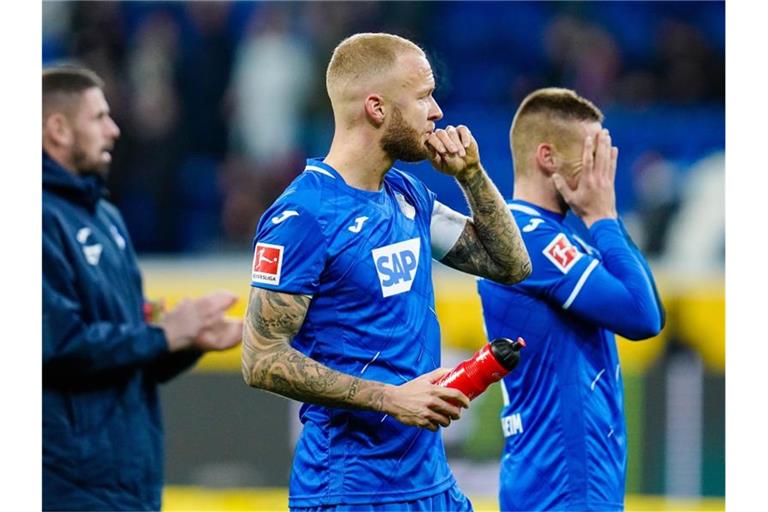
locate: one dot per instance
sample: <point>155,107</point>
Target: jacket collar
<point>85,190</point>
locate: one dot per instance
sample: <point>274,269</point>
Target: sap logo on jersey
<point>267,263</point>
<point>396,265</point>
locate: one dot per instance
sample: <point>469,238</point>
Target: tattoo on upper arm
<point>269,362</point>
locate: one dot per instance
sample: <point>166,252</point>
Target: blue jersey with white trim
<point>365,259</point>
<point>563,420</point>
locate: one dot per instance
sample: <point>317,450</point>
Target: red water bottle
<point>489,364</point>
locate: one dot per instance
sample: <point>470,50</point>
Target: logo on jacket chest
<point>92,248</point>
<point>396,266</point>
<point>92,252</point>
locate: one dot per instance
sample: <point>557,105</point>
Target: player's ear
<point>58,129</point>
<point>375,109</point>
<point>546,159</point>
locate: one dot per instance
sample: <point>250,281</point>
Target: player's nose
<point>112,129</point>
<point>435,113</point>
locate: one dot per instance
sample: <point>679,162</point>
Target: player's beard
<point>86,165</point>
<point>402,142</point>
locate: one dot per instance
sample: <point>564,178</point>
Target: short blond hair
<point>546,115</point>
<point>363,55</point>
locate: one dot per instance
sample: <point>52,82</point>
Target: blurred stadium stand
<point>220,102</point>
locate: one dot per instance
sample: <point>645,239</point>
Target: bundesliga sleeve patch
<point>562,253</point>
<point>267,262</point>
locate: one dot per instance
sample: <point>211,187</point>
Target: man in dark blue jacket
<point>102,430</point>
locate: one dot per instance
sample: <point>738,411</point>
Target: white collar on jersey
<point>523,208</point>
<point>319,169</point>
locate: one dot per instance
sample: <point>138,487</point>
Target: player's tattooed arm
<point>490,244</point>
<point>270,363</point>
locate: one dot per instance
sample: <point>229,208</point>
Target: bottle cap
<point>507,352</point>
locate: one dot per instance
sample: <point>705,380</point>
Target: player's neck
<point>62,158</point>
<point>542,195</point>
<point>362,163</point>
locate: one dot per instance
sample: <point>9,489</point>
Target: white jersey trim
<point>504,393</point>
<point>319,169</point>
<point>580,284</point>
<point>524,209</point>
<point>444,230</point>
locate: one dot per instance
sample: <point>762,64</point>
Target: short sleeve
<point>289,250</point>
<point>561,265</point>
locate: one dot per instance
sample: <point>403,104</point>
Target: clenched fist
<point>454,151</point>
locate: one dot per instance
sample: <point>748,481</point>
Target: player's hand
<point>222,335</point>
<point>454,151</point>
<point>421,403</point>
<point>593,196</point>
<point>191,318</point>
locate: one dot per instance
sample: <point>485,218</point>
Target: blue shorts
<point>450,500</point>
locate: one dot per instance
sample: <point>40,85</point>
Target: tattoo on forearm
<point>353,389</point>
<point>269,362</point>
<point>491,245</point>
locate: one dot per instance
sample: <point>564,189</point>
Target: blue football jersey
<point>563,420</point>
<point>365,259</point>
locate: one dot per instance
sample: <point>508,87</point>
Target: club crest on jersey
<point>562,253</point>
<point>267,262</point>
<point>396,265</point>
<point>408,210</point>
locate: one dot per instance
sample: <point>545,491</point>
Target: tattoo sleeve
<point>490,245</point>
<point>270,363</point>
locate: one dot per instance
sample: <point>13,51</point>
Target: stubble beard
<point>402,142</point>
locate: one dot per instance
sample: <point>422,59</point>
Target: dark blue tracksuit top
<point>102,429</point>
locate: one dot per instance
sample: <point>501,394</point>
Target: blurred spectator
<point>271,76</point>
<point>697,233</point>
<point>249,190</point>
<point>154,148</point>
<point>98,41</point>
<point>152,65</point>
<point>657,189</point>
<point>205,68</point>
<point>584,56</point>
<point>690,70</point>
<point>270,86</point>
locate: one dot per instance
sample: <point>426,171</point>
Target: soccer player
<point>102,361</point>
<point>341,313</point>
<point>563,418</point>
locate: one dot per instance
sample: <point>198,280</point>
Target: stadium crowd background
<point>220,102</point>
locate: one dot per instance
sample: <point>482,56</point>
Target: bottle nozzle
<point>507,352</point>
